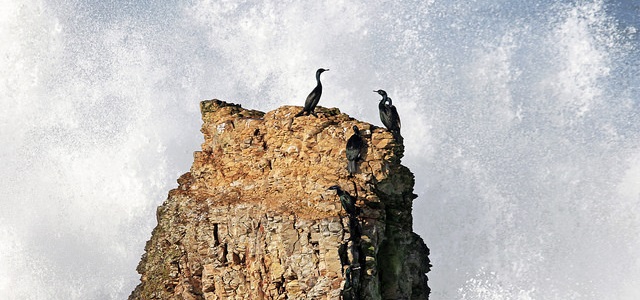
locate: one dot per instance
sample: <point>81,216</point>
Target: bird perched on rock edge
<point>389,114</point>
<point>314,97</point>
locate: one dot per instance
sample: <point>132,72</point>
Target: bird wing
<point>394,112</point>
<point>385,116</point>
<point>309,102</point>
<point>354,144</point>
<point>348,203</point>
<point>314,96</point>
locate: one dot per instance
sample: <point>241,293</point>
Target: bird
<point>347,292</point>
<point>348,203</point>
<point>354,149</point>
<point>389,114</point>
<point>314,97</point>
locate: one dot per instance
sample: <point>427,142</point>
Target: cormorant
<point>347,277</point>
<point>354,148</point>
<point>351,286</point>
<point>389,114</point>
<point>347,290</point>
<point>314,97</point>
<point>348,203</point>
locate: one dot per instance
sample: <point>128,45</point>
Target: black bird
<point>389,114</point>
<point>348,203</point>
<point>347,290</point>
<point>354,149</point>
<point>314,97</point>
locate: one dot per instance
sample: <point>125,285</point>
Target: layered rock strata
<point>253,218</point>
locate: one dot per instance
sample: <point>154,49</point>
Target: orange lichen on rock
<point>282,162</point>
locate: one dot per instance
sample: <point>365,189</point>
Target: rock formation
<point>253,218</point>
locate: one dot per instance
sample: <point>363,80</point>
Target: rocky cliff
<point>253,218</point>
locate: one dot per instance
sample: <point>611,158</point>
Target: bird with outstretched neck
<point>354,149</point>
<point>348,203</point>
<point>314,97</point>
<point>389,115</point>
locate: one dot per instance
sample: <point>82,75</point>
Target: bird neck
<point>318,78</point>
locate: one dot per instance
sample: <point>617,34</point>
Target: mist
<point>519,123</point>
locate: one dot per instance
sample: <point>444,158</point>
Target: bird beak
<point>375,91</point>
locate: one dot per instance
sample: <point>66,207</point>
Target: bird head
<point>356,130</point>
<point>321,70</point>
<point>381,93</point>
<point>334,187</point>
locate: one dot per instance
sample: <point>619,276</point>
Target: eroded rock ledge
<point>253,218</point>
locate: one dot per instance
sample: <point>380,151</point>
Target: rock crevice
<point>253,218</point>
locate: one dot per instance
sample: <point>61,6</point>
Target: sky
<point>519,119</point>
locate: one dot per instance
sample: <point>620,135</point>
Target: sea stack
<point>253,218</point>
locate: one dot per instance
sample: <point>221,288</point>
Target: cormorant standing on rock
<point>389,114</point>
<point>347,201</point>
<point>314,97</point>
<point>354,148</point>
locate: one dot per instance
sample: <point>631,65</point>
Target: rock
<point>253,218</point>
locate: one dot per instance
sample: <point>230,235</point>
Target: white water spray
<point>520,123</point>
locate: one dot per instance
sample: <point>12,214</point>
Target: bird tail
<point>299,114</point>
<point>397,136</point>
<point>351,167</point>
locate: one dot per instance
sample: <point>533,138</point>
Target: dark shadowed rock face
<point>253,218</point>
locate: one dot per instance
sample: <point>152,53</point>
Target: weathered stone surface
<point>253,218</point>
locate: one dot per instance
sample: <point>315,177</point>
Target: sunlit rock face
<point>253,218</point>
